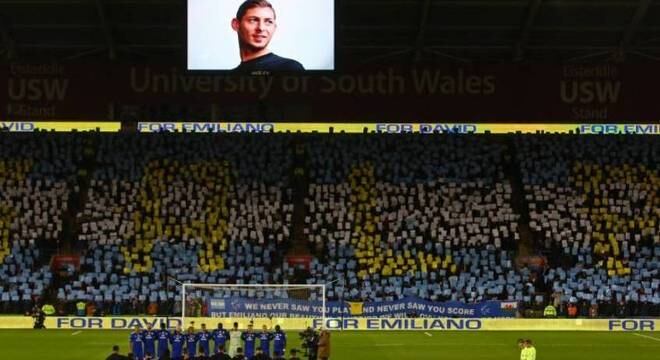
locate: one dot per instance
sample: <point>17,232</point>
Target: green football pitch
<point>372,345</point>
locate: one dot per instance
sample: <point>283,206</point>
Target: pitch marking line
<point>428,334</point>
<point>445,345</point>
<point>647,337</point>
<point>76,333</point>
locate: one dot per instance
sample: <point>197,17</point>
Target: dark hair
<point>115,348</point>
<point>250,4</point>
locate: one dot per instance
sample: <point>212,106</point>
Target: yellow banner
<point>324,128</point>
<point>373,324</point>
<point>59,126</point>
<point>356,308</point>
<point>16,322</point>
<point>397,128</point>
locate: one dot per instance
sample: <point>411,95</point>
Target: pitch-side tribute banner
<point>371,324</point>
<point>325,128</point>
<point>243,307</point>
<point>397,128</point>
<point>575,93</point>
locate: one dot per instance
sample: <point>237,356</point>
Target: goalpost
<point>230,300</point>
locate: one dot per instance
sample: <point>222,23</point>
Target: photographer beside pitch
<point>317,345</point>
<point>39,316</point>
<point>115,354</point>
<point>310,340</point>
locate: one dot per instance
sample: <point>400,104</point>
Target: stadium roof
<point>370,31</point>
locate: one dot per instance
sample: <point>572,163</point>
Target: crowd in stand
<point>384,216</point>
<point>166,209</point>
<point>595,208</point>
<point>22,281</point>
<point>37,176</point>
<point>390,217</point>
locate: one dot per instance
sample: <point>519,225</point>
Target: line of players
<point>150,344</point>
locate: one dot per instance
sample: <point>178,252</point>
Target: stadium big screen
<point>259,36</point>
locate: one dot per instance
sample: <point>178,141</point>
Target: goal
<point>251,302</point>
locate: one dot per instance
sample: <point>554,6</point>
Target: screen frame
<point>226,72</point>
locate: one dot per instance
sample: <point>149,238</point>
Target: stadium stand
<point>37,176</point>
<point>167,207</point>
<point>390,216</point>
<point>594,207</point>
<point>385,217</point>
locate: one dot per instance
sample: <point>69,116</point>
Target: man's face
<point>256,28</point>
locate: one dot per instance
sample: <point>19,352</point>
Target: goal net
<point>254,304</point>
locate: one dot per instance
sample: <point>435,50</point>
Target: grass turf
<point>366,345</point>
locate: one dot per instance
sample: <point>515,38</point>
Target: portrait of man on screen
<point>255,24</point>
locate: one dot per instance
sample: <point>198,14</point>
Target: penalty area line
<point>428,334</point>
<point>76,333</point>
<point>647,337</point>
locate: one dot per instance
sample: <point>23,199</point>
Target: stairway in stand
<point>67,250</point>
<point>527,252</point>
<point>300,184</point>
<point>298,252</point>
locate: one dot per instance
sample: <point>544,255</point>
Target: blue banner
<point>409,306</point>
